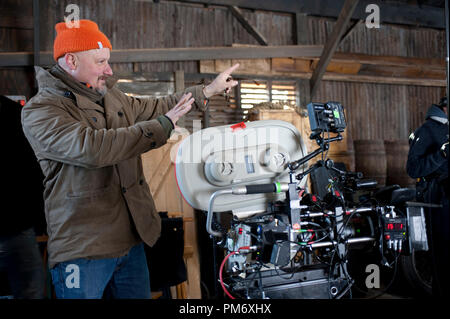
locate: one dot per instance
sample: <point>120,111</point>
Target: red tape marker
<point>238,126</point>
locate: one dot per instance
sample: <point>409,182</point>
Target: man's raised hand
<point>222,83</point>
<point>183,106</point>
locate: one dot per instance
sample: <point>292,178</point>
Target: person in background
<point>88,137</point>
<point>21,188</point>
<point>428,163</point>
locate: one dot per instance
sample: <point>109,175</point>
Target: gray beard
<point>103,91</point>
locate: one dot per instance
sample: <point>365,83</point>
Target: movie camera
<point>282,240</point>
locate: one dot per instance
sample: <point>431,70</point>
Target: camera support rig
<point>284,242</point>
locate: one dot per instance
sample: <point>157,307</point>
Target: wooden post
<point>304,94</point>
<point>179,87</point>
<point>36,42</point>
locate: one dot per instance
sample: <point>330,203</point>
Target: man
<point>428,162</point>
<point>88,137</point>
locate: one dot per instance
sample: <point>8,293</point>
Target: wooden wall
<point>394,109</point>
<point>382,111</point>
<point>16,34</point>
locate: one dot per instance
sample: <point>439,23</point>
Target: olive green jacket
<point>97,202</point>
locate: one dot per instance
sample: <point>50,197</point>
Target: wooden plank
<point>177,54</point>
<point>306,65</point>
<point>161,172</point>
<point>303,53</point>
<point>398,71</point>
<point>384,80</point>
<point>147,88</point>
<point>237,13</point>
<point>433,63</point>
<point>207,66</point>
<point>208,53</point>
<point>301,29</point>
<point>249,66</point>
<point>340,57</point>
<point>36,31</point>
<point>340,67</point>
<point>284,64</point>
<point>332,43</point>
<point>179,87</point>
<point>304,95</point>
<point>179,81</point>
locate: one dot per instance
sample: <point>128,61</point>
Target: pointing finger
<point>231,69</point>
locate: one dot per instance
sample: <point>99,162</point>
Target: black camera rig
<point>299,247</point>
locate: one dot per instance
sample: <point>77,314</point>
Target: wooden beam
<point>391,12</point>
<point>431,63</point>
<point>384,80</point>
<point>351,71</point>
<point>352,26</point>
<point>179,87</point>
<point>177,54</point>
<point>237,13</point>
<point>332,43</point>
<point>295,57</point>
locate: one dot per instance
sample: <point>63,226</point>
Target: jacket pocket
<point>89,193</point>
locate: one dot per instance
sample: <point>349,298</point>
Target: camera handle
<point>324,144</point>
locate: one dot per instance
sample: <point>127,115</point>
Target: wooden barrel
<point>396,158</point>
<point>370,159</point>
<point>343,151</point>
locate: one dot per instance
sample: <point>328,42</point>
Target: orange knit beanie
<point>86,37</point>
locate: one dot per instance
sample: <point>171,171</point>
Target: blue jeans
<point>122,278</point>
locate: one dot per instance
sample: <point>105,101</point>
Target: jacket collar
<point>435,113</point>
<point>58,81</point>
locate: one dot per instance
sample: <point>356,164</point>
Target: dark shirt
<point>21,185</point>
<point>425,158</point>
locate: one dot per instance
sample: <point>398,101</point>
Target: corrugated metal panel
<point>380,111</point>
<point>387,40</point>
<point>143,24</point>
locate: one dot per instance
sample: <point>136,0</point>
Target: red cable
<point>220,274</point>
<point>221,270</point>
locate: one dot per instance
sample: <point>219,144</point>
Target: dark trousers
<point>21,260</point>
<point>438,226</point>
